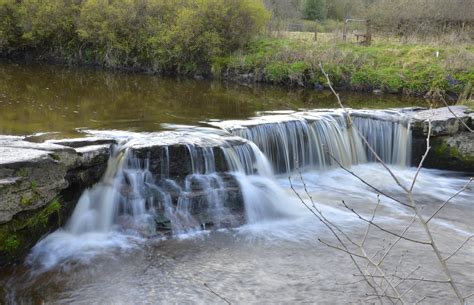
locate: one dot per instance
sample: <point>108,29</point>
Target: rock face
<point>452,144</point>
<point>444,121</point>
<point>39,185</point>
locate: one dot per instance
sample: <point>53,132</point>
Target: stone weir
<point>317,138</point>
<point>190,179</point>
<point>181,177</point>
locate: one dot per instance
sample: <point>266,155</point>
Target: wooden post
<point>316,32</point>
<point>368,37</point>
<point>344,31</point>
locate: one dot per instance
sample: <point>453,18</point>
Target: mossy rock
<point>19,235</point>
<point>452,152</point>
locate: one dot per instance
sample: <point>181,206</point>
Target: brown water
<point>44,98</point>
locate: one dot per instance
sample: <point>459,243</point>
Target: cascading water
<point>188,181</point>
<point>139,196</point>
<point>313,139</point>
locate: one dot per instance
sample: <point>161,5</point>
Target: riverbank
<point>428,71</point>
<point>419,70</point>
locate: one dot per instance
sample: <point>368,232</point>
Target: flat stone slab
<point>32,174</point>
<point>30,178</point>
<point>16,157</point>
<point>444,121</point>
<point>82,142</point>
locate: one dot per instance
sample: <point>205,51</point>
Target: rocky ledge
<point>40,184</point>
<point>451,140</point>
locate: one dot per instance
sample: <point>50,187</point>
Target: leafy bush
<point>315,9</point>
<point>156,35</point>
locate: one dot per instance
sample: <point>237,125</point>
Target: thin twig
<point>372,219</point>
<point>459,248</point>
<point>334,234</point>
<point>397,240</point>
<point>216,294</point>
<point>428,148</point>
<point>408,278</point>
<point>381,228</point>
<point>377,157</point>
<point>455,115</point>
<point>449,199</point>
<point>340,249</point>
<point>368,184</point>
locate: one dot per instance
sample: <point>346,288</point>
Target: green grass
<point>390,67</point>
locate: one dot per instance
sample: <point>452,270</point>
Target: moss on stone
<point>25,200</point>
<point>55,157</point>
<point>23,172</point>
<point>449,157</point>
<point>18,235</point>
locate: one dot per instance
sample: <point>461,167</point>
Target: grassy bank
<point>217,38</point>
<point>387,66</point>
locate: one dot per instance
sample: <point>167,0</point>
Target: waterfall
<point>183,182</point>
<point>315,139</point>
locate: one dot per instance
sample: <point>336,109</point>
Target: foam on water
<point>130,200</point>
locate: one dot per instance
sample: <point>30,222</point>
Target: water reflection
<point>43,98</point>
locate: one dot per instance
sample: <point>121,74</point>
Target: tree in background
<point>284,9</point>
<point>342,9</point>
<point>315,9</point>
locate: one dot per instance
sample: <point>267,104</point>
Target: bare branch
<point>408,278</point>
<point>428,148</point>
<point>383,229</point>
<point>377,157</point>
<point>216,294</point>
<point>368,184</point>
<point>469,296</point>
<point>454,114</point>
<point>459,248</point>
<point>372,219</point>
<point>340,249</point>
<point>397,240</point>
<point>449,199</point>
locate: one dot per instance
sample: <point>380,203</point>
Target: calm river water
<point>44,98</point>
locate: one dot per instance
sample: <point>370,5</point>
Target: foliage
<point>9,31</point>
<point>22,230</point>
<point>315,9</point>
<point>155,35</point>
<point>390,67</point>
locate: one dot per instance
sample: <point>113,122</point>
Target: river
<point>274,257</point>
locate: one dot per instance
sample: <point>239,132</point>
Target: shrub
<point>157,35</point>
<point>315,9</point>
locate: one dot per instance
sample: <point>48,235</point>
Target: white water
<point>314,139</point>
<point>126,205</point>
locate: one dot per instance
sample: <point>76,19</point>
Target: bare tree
<point>385,280</point>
